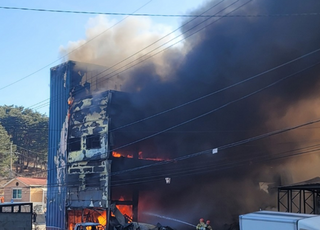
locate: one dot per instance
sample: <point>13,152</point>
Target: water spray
<point>169,218</point>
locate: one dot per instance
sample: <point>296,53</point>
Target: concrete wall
<point>36,194</point>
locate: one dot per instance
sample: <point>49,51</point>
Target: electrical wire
<point>148,46</point>
<point>206,167</point>
<point>167,35</point>
<point>257,91</point>
<point>50,64</point>
<point>216,109</point>
<point>223,147</point>
<point>145,57</point>
<point>155,15</point>
<point>209,151</point>
<point>220,90</point>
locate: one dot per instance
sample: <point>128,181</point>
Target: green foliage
<point>29,132</point>
<point>5,149</point>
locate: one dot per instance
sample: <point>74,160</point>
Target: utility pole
<point>11,159</point>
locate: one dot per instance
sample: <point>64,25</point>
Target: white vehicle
<point>272,220</point>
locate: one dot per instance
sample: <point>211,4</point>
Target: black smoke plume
<point>248,39</point>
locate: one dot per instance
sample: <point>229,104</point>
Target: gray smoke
<point>223,52</point>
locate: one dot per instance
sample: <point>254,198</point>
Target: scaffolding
<point>303,197</point>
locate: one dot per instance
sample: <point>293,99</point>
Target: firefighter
<point>201,225</point>
<point>208,226</point>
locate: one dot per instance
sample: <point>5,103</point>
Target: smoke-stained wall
<point>88,166</point>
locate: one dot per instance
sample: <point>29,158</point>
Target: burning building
<point>234,79</point>
<point>80,168</point>
<point>80,160</point>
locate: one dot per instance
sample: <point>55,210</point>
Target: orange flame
<point>125,209</point>
<point>76,216</point>
<point>116,154</point>
<point>140,156</point>
<point>70,100</point>
<point>150,159</point>
<point>102,219</point>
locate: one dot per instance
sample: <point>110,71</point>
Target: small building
<point>25,189</point>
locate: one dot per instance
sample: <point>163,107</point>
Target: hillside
<point>23,142</point>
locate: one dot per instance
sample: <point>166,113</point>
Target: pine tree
<point>4,152</point>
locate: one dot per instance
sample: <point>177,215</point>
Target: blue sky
<point>31,40</point>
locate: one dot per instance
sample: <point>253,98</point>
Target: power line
<point>203,168</point>
<point>308,149</point>
<point>125,67</point>
<point>210,168</point>
<point>220,90</point>
<point>50,64</point>
<point>216,109</point>
<point>222,106</point>
<point>200,169</point>
<point>158,15</point>
<point>223,147</point>
<point>132,55</point>
<point>116,74</point>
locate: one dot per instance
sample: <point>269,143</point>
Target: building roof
<point>311,184</point>
<point>30,181</point>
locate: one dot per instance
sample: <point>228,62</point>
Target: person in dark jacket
<point>208,226</point>
<point>34,216</point>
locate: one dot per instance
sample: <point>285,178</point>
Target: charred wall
<point>88,166</point>
<point>78,148</point>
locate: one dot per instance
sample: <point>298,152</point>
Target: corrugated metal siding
<point>58,127</point>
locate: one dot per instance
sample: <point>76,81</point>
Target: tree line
<point>23,142</point>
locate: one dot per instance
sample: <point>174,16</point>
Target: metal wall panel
<point>58,130</point>
<point>78,165</point>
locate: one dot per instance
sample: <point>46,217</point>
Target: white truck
<point>272,220</point>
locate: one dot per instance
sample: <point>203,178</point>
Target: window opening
<point>93,142</point>
<point>16,193</point>
<point>74,144</point>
